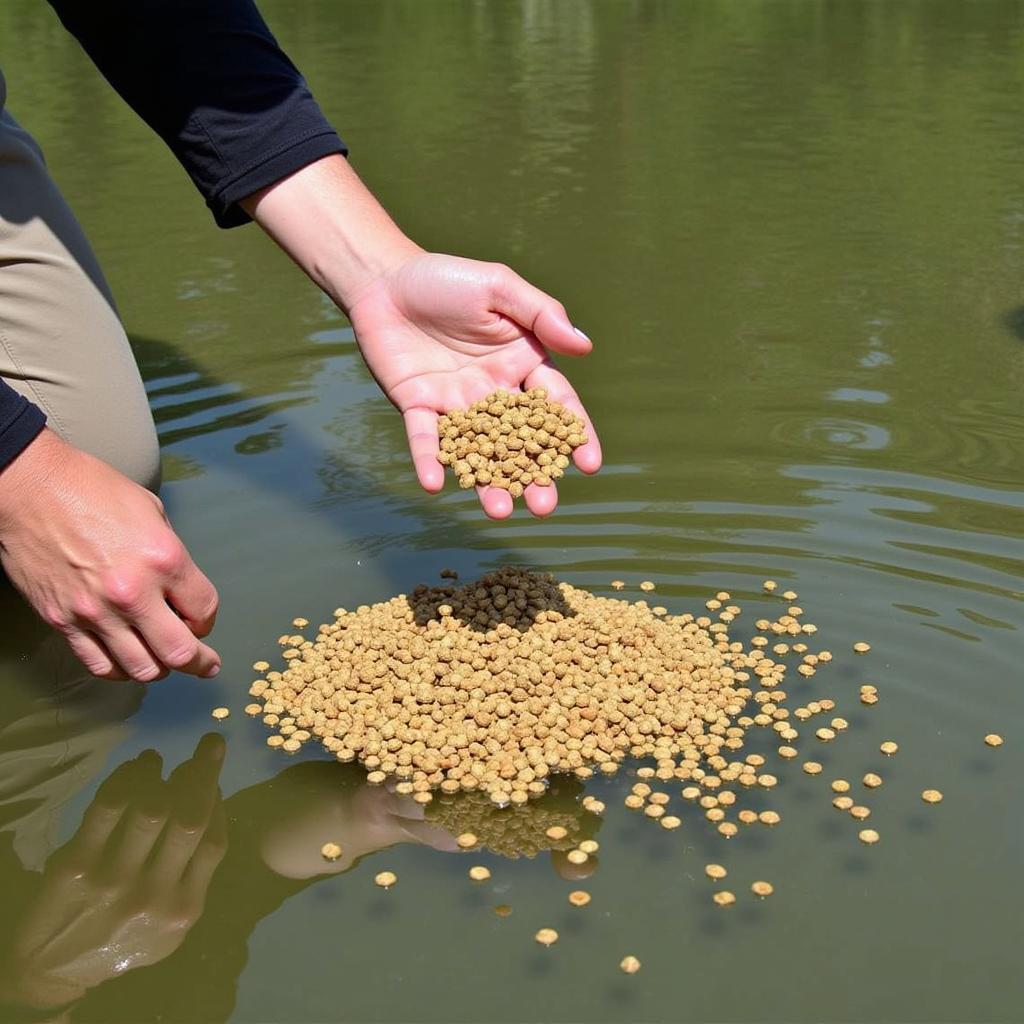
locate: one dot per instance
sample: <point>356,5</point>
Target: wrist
<point>27,473</point>
<point>329,222</point>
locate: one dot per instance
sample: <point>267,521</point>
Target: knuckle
<point>181,654</point>
<point>146,673</point>
<point>56,617</point>
<point>124,592</point>
<point>85,608</point>
<point>166,555</point>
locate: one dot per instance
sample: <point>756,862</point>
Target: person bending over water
<point>82,534</point>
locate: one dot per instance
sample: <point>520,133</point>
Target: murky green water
<point>795,231</point>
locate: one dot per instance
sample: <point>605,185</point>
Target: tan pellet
<point>634,802</point>
<point>715,871</point>
<point>843,803</point>
<point>647,585</point>
<point>860,812</point>
<point>724,898</point>
<point>617,584</point>
<point>931,796</point>
<point>260,666</point>
<point>629,965</point>
<point>869,836</point>
<point>871,780</point>
<point>812,767</point>
<point>670,821</point>
<point>654,810</point>
<point>467,840</point>
<point>769,585</point>
<point>825,734</point>
<point>479,873</point>
<point>993,739</point>
<point>330,851</point>
<point>579,898</point>
<point>762,889</point>
<point>840,786</point>
<point>747,816</point>
<point>889,748</point>
<point>220,713</point>
<point>577,857</point>
<point>590,846</point>
<point>547,936</point>
<point>557,833</point>
<point>727,829</point>
<point>769,817</point>
<point>253,709</point>
<point>861,647</point>
<point>385,879</point>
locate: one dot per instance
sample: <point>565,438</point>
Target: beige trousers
<point>61,342</point>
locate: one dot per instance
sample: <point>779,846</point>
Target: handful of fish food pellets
<point>497,684</point>
<point>510,440</point>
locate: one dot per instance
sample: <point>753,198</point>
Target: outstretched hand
<point>440,332</point>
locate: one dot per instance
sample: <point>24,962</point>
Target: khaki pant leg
<point>61,341</point>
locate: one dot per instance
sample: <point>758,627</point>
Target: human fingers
<point>194,795</point>
<point>588,456</point>
<point>174,645</point>
<point>129,651</point>
<point>141,823</point>
<point>192,594</point>
<point>496,501</point>
<point>541,501</point>
<point>537,312</point>
<point>424,445</point>
<point>205,861</point>
<point>105,812</point>
<point>92,654</point>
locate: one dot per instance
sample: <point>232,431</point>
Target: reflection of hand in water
<point>364,819</point>
<point>124,891</point>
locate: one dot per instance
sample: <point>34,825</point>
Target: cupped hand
<point>94,554</point>
<point>440,332</point>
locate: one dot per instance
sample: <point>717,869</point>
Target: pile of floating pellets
<point>494,686</point>
<point>510,440</point>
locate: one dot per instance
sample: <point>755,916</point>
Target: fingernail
<point>211,672</point>
<point>581,334</point>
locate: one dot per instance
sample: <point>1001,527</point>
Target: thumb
<point>539,313</point>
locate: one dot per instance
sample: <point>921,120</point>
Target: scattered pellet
<point>629,965</point>
<point>715,871</point>
<point>812,767</point>
<point>220,713</point>
<point>385,879</point>
<point>724,898</point>
<point>769,817</point>
<point>479,873</point>
<point>727,829</point>
<point>843,803</point>
<point>253,709</point>
<point>770,585</point>
<point>993,739</point>
<point>579,898</point>
<point>647,585</point>
<point>871,780</point>
<point>861,647</point>
<point>869,836</point>
<point>654,810</point>
<point>617,584</point>
<point>260,666</point>
<point>860,812</point>
<point>589,846</point>
<point>762,889</point>
<point>670,821</point>
<point>747,816</point>
<point>547,936</point>
<point>889,748</point>
<point>840,786</point>
<point>556,832</point>
<point>467,840</point>
<point>931,796</point>
<point>825,734</point>
<point>330,851</point>
<point>577,857</point>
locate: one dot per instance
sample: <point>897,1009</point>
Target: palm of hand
<point>441,332</point>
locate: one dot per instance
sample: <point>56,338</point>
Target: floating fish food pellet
<point>869,698</point>
<point>647,585</point>
<point>654,810</point>
<point>769,818</point>
<point>747,816</point>
<point>260,666</point>
<point>629,965</point>
<point>861,647</point>
<point>579,898</point>
<point>385,879</point>
<point>479,873</point>
<point>931,796</point>
<point>889,748</point>
<point>762,889</point>
<point>556,832</point>
<point>547,936</point>
<point>590,846</point>
<point>330,851</point>
<point>617,584</point>
<point>670,821</point>
<point>770,585</point>
<point>253,709</point>
<point>715,871</point>
<point>825,735</point>
<point>812,767</point>
<point>634,802</point>
<point>840,786</point>
<point>872,781</point>
<point>993,739</point>
<point>727,829</point>
<point>220,713</point>
<point>843,803</point>
<point>577,857</point>
<point>467,840</point>
<point>724,898</point>
<point>860,812</point>
<point>869,836</point>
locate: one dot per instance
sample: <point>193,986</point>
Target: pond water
<point>795,232</point>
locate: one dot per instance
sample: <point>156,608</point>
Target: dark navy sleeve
<point>20,423</point>
<point>210,79</point>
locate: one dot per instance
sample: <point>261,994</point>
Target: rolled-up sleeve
<point>210,79</point>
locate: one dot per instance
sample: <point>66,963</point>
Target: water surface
<point>794,230</point>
